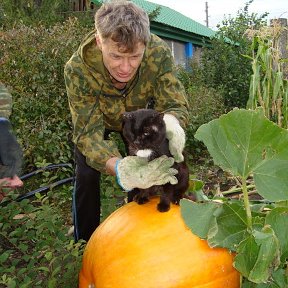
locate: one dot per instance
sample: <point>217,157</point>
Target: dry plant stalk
<point>268,86</point>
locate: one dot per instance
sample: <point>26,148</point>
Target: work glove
<point>10,151</point>
<point>137,172</point>
<point>176,136</point>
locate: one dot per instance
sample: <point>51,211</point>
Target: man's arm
<point>87,121</point>
<point>10,151</point>
<point>5,101</point>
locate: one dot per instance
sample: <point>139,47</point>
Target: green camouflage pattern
<point>97,105</point>
<point>5,102</point>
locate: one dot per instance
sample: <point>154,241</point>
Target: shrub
<point>223,65</point>
<point>36,252</point>
<point>205,104</point>
<point>32,67</point>
<point>29,12</point>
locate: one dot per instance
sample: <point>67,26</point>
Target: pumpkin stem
<point>247,204</point>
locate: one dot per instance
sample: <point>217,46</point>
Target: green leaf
<point>195,187</point>
<point>4,256</point>
<point>43,268</point>
<point>246,256</point>
<point>229,227</point>
<point>12,284</point>
<point>261,285</point>
<point>198,216</point>
<point>258,255</point>
<point>244,142</point>
<point>278,220</point>
<point>280,277</point>
<point>48,255</point>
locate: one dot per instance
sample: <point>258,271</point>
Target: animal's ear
<point>127,116</point>
<point>158,116</point>
<point>161,115</point>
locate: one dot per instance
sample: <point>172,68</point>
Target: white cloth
<point>176,136</point>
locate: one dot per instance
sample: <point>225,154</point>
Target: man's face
<point>121,65</point>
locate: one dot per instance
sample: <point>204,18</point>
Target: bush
<point>32,67</point>
<point>35,250</point>
<point>205,104</point>
<point>47,12</point>
<point>224,65</point>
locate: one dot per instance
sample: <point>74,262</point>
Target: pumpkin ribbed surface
<point>139,247</point>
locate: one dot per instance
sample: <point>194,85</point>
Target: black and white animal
<point>144,131</point>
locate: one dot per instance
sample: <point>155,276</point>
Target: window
<point>178,51</point>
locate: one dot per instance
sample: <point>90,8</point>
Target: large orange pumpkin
<point>139,247</point>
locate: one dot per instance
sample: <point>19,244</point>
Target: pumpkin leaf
<point>195,187</point>
<point>261,285</point>
<point>245,142</point>
<point>198,216</point>
<point>229,227</point>
<point>221,224</point>
<point>278,219</point>
<point>279,276</point>
<point>256,254</point>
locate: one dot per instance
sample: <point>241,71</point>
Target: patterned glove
<point>10,151</point>
<point>137,172</point>
<point>176,136</point>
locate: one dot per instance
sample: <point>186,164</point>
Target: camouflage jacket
<point>5,101</point>
<point>97,105</point>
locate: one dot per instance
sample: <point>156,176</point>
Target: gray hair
<point>123,22</point>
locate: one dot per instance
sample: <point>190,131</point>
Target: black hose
<point>41,189</point>
<point>49,167</point>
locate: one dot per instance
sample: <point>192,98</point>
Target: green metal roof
<point>172,24</point>
<point>175,19</point>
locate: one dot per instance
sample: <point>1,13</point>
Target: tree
<point>223,65</point>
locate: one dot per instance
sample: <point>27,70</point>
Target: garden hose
<point>41,189</point>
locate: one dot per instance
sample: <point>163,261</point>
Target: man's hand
<point>176,136</point>
<point>136,172</point>
<point>12,183</point>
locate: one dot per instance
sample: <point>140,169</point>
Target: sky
<point>195,9</point>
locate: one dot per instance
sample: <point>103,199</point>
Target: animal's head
<point>144,129</point>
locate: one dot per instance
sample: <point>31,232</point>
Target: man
<point>119,67</point>
<point>10,151</point>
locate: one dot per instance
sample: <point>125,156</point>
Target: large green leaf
<point>258,255</point>
<point>280,277</point>
<point>198,216</point>
<point>229,228</point>
<point>245,142</point>
<point>222,224</point>
<point>278,220</point>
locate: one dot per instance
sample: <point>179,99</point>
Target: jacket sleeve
<point>87,120</point>
<point>5,102</point>
<point>169,92</point>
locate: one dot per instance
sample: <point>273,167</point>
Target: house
<point>184,36</point>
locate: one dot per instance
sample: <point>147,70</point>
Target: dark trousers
<point>86,198</point>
